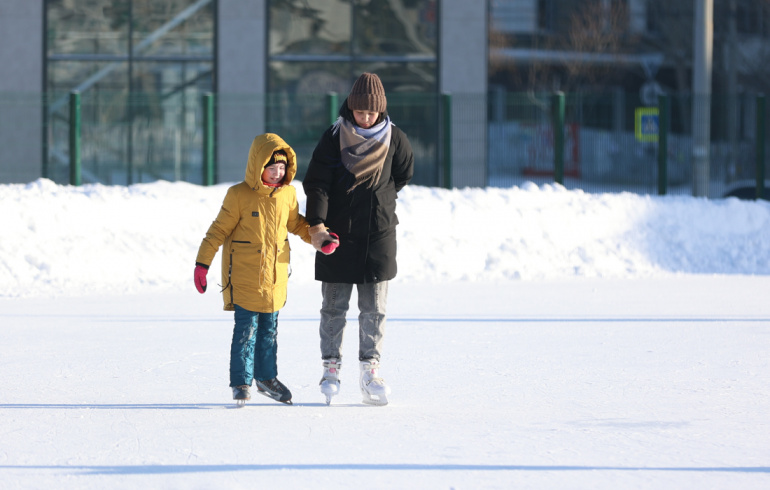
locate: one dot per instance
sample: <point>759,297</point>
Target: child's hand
<point>330,245</point>
<point>200,278</point>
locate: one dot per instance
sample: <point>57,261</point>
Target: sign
<point>649,92</point>
<point>646,124</point>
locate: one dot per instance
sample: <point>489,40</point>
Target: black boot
<point>275,390</point>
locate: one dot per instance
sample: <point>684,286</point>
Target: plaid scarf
<point>363,151</point>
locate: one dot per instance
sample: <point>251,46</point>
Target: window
<point>141,67</point>
<point>316,47</point>
<point>546,18</point>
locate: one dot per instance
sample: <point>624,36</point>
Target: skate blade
<point>240,403</point>
<point>374,400</point>
<point>287,402</point>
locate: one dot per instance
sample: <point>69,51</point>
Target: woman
<point>355,173</point>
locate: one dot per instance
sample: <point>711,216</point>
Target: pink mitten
<point>200,278</point>
<point>322,240</point>
<point>329,246</point>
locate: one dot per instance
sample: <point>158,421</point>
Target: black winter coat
<point>365,219</point>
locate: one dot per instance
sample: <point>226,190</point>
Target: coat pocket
<point>246,262</point>
<point>384,215</point>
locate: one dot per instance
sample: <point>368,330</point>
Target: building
<point>141,68</point>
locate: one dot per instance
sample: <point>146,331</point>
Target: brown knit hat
<point>367,94</point>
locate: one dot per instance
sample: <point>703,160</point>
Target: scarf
<point>363,151</point>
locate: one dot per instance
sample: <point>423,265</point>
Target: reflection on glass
<point>395,27</point>
<point>413,105</point>
<point>309,77</point>
<point>309,27</point>
<point>169,77</point>
<point>402,77</point>
<point>322,46</point>
<point>299,111</point>
<point>192,36</point>
<point>297,107</point>
<point>63,76</point>
<point>141,119</point>
<point>94,27</point>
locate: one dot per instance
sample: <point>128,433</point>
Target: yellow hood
<point>261,151</point>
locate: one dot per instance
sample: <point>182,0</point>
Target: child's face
<point>365,119</point>
<point>274,173</point>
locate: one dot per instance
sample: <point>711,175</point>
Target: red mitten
<point>321,239</point>
<point>330,245</point>
<point>200,277</point>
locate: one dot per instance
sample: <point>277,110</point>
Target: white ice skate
<point>330,382</point>
<point>373,388</point>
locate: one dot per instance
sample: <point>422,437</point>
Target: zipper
<point>368,236</point>
<point>229,279</point>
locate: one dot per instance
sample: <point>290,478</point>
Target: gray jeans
<point>372,298</point>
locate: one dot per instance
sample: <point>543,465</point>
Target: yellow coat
<point>252,227</point>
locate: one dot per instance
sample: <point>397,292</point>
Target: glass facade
<point>141,68</point>
<point>317,47</point>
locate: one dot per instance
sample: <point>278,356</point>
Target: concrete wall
<point>463,74</point>
<point>21,82</point>
<point>241,78</point>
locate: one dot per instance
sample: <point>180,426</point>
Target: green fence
<point>301,119</point>
<point>125,139</point>
<point>613,142</point>
<point>129,139</point>
<point>610,142</point>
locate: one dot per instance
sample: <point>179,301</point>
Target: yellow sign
<point>646,124</point>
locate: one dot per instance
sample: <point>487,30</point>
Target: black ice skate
<point>274,389</point>
<point>241,394</point>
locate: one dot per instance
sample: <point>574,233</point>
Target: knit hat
<point>367,94</point>
<point>279,156</point>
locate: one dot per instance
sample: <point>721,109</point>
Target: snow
<point>537,338</point>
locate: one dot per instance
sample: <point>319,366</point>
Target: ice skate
<point>272,388</point>
<point>330,382</point>
<point>241,394</point>
<point>373,388</point>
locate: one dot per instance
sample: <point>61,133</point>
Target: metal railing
<point>595,142</point>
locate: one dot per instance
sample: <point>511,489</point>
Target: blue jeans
<point>253,352</point>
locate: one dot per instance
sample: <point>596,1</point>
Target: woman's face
<point>274,173</point>
<point>365,119</point>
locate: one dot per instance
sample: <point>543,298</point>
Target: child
<point>253,224</point>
